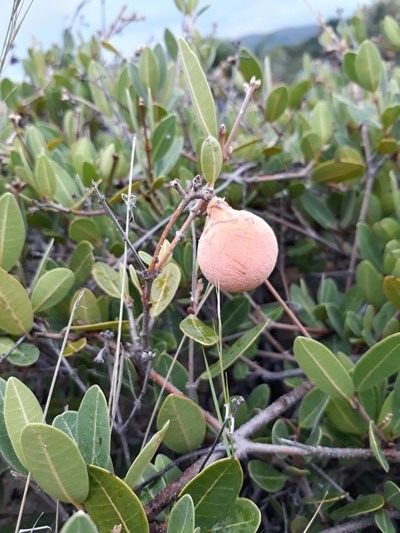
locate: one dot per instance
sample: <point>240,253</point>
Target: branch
<point>359,523</point>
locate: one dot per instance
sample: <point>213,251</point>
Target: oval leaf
<point>16,316</point>
<point>211,160</point>
<point>181,519</point>
<point>55,463</point>
<point>52,287</point>
<point>6,448</point>
<point>187,427</point>
<point>93,428</point>
<point>368,65</point>
<point>79,523</point>
<point>109,280</point>
<point>194,328</point>
<point>243,517</point>
<point>276,104</point>
<point>200,92</point>
<point>164,288</point>
<point>112,503</point>
<point>45,177</point>
<point>12,231</point>
<point>215,490</point>
<point>322,367</point>
<point>378,363</point>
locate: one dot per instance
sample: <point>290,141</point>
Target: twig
<point>251,88</point>
<point>57,208</point>
<point>359,523</point>
<point>280,176</point>
<point>287,309</point>
<point>147,143</point>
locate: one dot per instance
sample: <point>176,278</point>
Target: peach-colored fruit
<point>237,249</point>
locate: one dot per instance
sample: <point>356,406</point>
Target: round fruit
<point>237,249</point>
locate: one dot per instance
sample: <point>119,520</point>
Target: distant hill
<point>260,44</point>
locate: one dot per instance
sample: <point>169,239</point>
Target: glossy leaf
<point>187,426</point>
<point>202,99</point>
<point>378,363</point>
<point>337,171</point>
<point>249,65</point>
<point>12,231</point>
<point>215,490</point>
<point>112,503</point>
<point>164,288</point>
<point>79,522</point>
<point>181,518</point>
<point>55,463</point>
<point>322,367</point>
<point>384,522</point>
<point>231,354</point>
<point>16,317</point>
<point>368,65</point>
<point>144,457</point>
<point>211,159</point>
<point>163,137</point>
<point>195,329</point>
<point>52,287</point>
<point>392,494</point>
<point>93,428</point>
<point>81,262</point>
<point>370,283</point>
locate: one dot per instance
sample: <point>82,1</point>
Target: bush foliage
<point>134,393</point>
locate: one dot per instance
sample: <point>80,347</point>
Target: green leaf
<point>243,517</point>
<point>368,65</point>
<point>20,408</point>
<point>215,490</point>
<point>163,137</point>
<point>98,88</point>
<point>52,287</point>
<point>79,523</point>
<point>367,243</point>
<point>88,309</point>
<point>187,426</point>
<point>276,103</point>
<point>266,476</point>
<point>84,229</point>
<point>111,502</point>
<point>148,70</point>
<point>164,288</point>
<point>55,463</point>
<point>6,448</point>
<point>145,456</point>
<point>24,355</point>
<point>45,177</point>
<point>370,283</point>
<point>337,171</point>
<point>362,505</point>
<point>81,262</point>
<point>378,363</point>
<point>12,231</point>
<point>211,160</point>
<point>318,210</point>
<point>312,407</point>
<point>200,92</point>
<point>391,30</point>
<point>195,329</point>
<point>349,66</point>
<point>109,280</point>
<point>249,65</point>
<point>181,518</point>
<point>322,367</point>
<point>321,121</point>
<point>392,494</point>
<point>93,428</point>
<point>391,288</point>
<point>16,317</point>
<point>345,418</point>
<point>376,447</point>
<point>230,355</point>
<point>384,522</point>
<point>67,422</point>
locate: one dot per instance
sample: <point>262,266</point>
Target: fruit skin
<point>237,250</point>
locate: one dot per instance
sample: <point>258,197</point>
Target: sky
<point>234,18</point>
